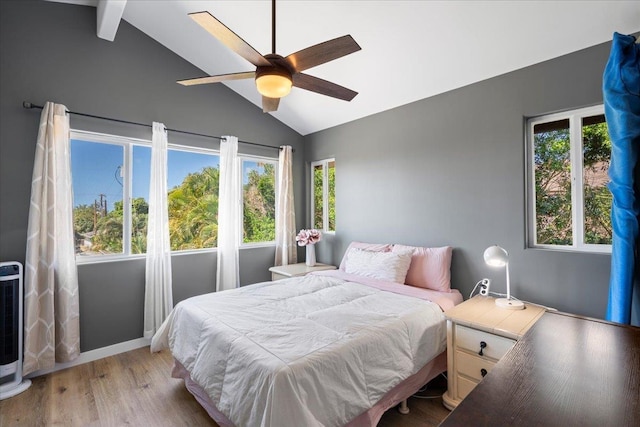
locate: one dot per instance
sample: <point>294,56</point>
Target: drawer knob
<point>482,347</point>
<point>483,372</point>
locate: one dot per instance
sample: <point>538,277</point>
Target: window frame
<point>197,150</point>
<point>257,159</point>
<point>325,194</point>
<point>576,158</point>
<point>128,143</point>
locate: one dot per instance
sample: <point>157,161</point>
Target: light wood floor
<point>136,389</point>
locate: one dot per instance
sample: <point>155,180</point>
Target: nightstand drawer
<point>471,339</point>
<point>471,365</point>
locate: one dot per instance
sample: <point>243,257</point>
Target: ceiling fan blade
<point>217,79</point>
<point>323,52</point>
<point>229,38</point>
<point>270,104</point>
<point>323,87</point>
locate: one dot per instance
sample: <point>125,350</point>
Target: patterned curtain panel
<point>229,221</point>
<point>158,299</point>
<point>286,249</point>
<point>52,327</point>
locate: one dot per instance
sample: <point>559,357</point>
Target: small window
<point>323,189</point>
<point>569,202</point>
<point>258,200</point>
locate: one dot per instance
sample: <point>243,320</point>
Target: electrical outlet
<point>485,284</point>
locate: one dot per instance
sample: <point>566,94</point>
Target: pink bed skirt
<point>369,418</point>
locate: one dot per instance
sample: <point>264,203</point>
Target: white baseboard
<point>98,353</point>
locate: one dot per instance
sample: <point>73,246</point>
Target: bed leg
<point>403,408</point>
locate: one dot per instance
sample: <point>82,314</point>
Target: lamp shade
<point>273,82</point>
<point>495,256</point>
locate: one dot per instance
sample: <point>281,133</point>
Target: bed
<point>331,348</point>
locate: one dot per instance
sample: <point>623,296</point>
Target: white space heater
<point>11,303</point>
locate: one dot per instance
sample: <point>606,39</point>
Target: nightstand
<point>294,270</point>
<point>478,334</point>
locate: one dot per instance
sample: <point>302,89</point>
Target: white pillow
<point>390,266</point>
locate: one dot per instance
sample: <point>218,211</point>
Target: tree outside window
<point>259,201</point>
<point>323,185</point>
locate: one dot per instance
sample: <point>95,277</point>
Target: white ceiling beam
<point>109,14</point>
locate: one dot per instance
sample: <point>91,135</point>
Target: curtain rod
<point>29,105</point>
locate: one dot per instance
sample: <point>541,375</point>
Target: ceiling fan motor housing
<point>275,80</point>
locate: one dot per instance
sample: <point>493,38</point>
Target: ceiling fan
<point>274,74</point>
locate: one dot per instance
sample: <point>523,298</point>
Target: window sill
<point>99,259</point>
<point>606,250</point>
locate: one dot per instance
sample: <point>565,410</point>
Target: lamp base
<point>509,304</point>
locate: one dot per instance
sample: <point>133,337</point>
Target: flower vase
<point>310,259</point>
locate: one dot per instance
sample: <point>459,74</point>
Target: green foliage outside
<point>139,215</point>
<point>598,198</point>
<point>193,211</point>
<point>193,216</point>
<point>260,205</point>
<point>105,230</point>
<point>553,186</point>
<point>332,197</point>
<point>318,179</point>
<point>83,217</point>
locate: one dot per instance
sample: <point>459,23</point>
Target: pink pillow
<point>373,247</point>
<point>430,267</point>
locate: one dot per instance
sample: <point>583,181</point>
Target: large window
<point>111,187</point>
<point>323,189</point>
<point>569,202</point>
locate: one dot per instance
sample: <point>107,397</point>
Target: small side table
<point>294,270</point>
<point>478,334</point>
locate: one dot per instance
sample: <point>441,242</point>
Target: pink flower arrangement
<point>308,237</point>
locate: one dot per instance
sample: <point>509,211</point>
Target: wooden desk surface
<point>565,371</point>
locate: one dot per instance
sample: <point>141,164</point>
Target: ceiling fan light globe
<point>273,85</point>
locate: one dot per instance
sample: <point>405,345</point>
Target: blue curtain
<point>621,91</point>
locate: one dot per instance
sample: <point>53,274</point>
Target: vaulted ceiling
<point>410,49</point>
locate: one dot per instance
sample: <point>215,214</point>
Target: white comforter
<point>305,351</point>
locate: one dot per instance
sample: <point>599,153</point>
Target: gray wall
<point>50,52</point>
<point>450,170</point>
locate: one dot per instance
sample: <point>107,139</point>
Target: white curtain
<point>51,325</point>
<point>286,248</point>
<point>158,299</point>
<point>229,230</point>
